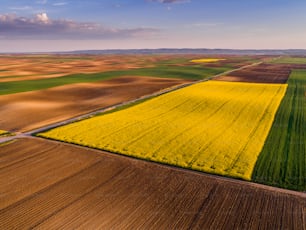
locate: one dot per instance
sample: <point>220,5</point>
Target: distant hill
<point>191,51</point>
<point>293,52</point>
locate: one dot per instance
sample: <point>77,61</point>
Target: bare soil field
<point>263,73</point>
<point>52,185</point>
<point>29,110</point>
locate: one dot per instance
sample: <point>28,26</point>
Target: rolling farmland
<point>180,72</point>
<point>29,73</point>
<point>284,164</point>
<point>152,115</point>
<point>93,178</point>
<point>216,127</point>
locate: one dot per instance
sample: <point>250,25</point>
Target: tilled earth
<point>263,73</point>
<point>52,185</point>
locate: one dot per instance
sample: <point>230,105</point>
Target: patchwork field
<point>27,103</point>
<point>29,110</point>
<point>49,185</point>
<point>284,164</point>
<point>30,67</point>
<point>84,69</point>
<point>216,127</point>
<point>235,125</point>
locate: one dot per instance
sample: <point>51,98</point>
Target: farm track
<point>102,190</point>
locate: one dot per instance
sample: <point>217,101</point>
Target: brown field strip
<point>50,185</point>
<point>29,110</point>
<point>263,73</point>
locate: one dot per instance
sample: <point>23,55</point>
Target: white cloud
<point>42,27</point>
<point>20,8</point>
<point>43,17</point>
<point>60,3</point>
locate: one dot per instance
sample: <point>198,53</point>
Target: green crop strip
<point>184,72</point>
<point>282,161</point>
<point>289,60</point>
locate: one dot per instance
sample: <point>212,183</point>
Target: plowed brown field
<point>51,185</point>
<point>29,110</point>
<point>263,73</point>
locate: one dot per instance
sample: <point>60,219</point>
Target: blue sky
<point>55,25</point>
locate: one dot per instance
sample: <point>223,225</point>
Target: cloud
<point>43,28</point>
<point>171,1</point>
<point>20,8</point>
<point>43,17</point>
<point>60,3</point>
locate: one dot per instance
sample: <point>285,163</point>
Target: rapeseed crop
<point>3,132</point>
<point>215,127</point>
<point>207,60</point>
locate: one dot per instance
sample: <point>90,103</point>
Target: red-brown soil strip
<point>263,73</point>
<point>50,185</point>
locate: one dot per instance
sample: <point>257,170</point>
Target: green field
<point>184,72</point>
<point>289,60</point>
<point>282,161</point>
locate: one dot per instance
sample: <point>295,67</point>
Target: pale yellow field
<point>215,127</point>
<point>206,60</point>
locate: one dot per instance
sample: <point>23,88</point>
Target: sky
<point>65,25</point>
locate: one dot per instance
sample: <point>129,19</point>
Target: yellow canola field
<point>215,127</point>
<point>207,60</point>
<point>3,132</point>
